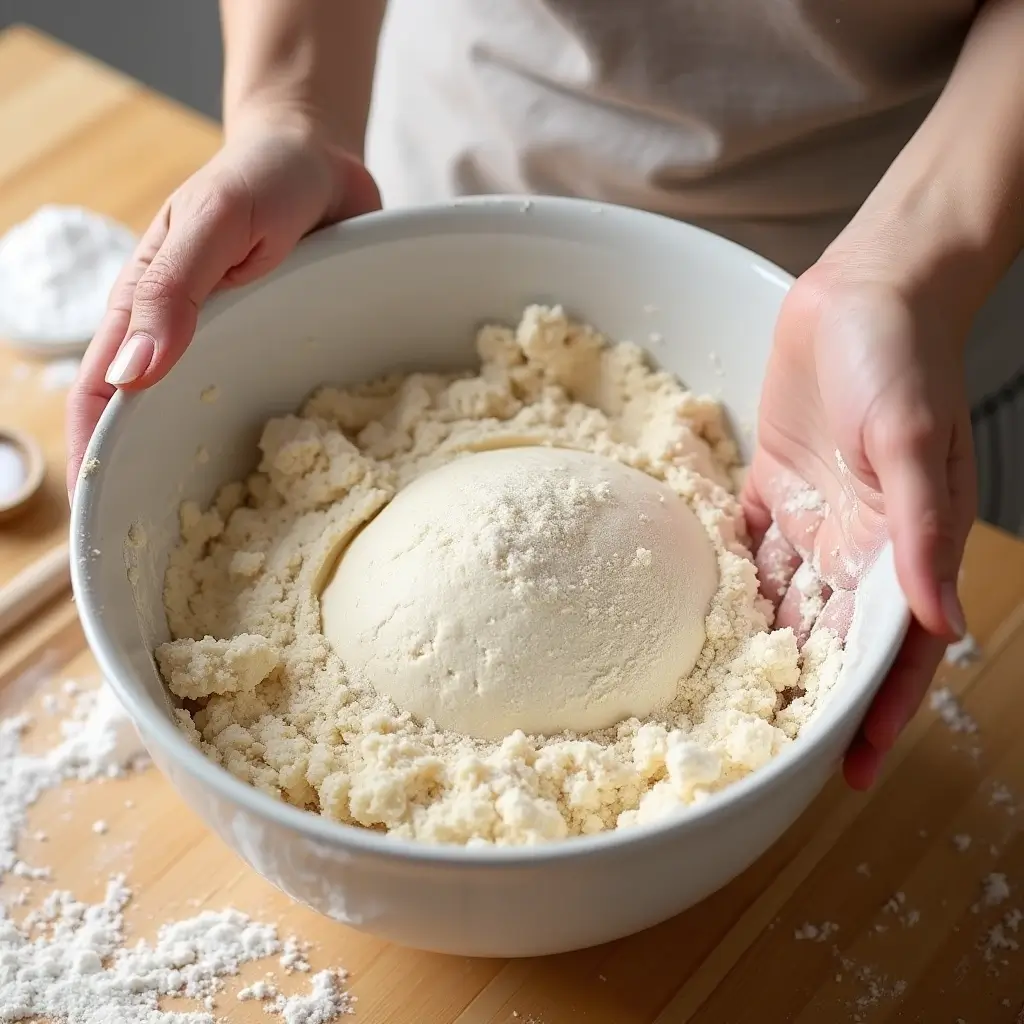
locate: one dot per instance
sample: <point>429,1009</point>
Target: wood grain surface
<point>74,131</point>
<point>889,909</point>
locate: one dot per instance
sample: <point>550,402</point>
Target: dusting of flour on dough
<point>247,571</point>
<point>499,593</point>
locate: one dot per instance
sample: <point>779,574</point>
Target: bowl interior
<point>406,290</point>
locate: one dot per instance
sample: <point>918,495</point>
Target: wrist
<point>306,60</point>
<point>287,119</point>
<point>265,109</point>
<point>947,218</point>
<point>934,230</point>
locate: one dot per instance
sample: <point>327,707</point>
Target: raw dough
<point>315,735</point>
<point>540,589</point>
<point>198,668</point>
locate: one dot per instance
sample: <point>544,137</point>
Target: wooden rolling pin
<point>33,587</point>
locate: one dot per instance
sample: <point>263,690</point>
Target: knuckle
<point>219,199</point>
<point>804,302</point>
<point>908,432</point>
<point>920,429</point>
<point>159,283</point>
<point>935,526</point>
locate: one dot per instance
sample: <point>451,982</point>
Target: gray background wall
<point>171,45</point>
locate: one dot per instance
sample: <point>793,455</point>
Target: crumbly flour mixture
<point>264,694</point>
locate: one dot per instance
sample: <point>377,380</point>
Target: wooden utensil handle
<point>33,587</point>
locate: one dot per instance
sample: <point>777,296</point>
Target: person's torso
<point>724,112</point>
<point>767,121</point>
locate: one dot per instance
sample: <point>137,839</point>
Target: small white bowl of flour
<point>404,479</point>
<point>57,269</point>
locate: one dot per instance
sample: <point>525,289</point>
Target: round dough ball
<point>539,589</point>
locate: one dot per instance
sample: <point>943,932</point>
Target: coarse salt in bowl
<point>405,291</point>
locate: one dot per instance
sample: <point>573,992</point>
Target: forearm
<point>951,207</point>
<point>311,56</point>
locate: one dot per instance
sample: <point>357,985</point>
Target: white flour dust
<point>60,374</point>
<point>56,272</point>
<point>98,741</point>
<point>964,652</point>
<point>945,704</point>
<point>808,932</point>
<point>70,961</point>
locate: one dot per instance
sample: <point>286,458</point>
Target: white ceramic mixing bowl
<point>405,290</point>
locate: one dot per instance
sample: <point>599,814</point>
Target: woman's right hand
<point>276,178</point>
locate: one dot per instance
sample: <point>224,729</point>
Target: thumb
<point>359,191</point>
<point>206,236</point>
<point>909,451</point>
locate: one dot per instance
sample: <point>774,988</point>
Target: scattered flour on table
<point>808,932</point>
<point>60,374</point>
<point>98,741</point>
<point>995,889</point>
<point>875,987</point>
<point>70,961</point>
<point>964,652</point>
<point>897,906</point>
<point>946,705</point>
<point>265,695</point>
<point>1001,940</point>
<point>1002,796</point>
<point>56,272</point>
<point>258,990</point>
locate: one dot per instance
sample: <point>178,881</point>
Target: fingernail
<point>953,610</point>
<point>131,361</point>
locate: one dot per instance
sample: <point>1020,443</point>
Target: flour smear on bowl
<point>263,693</point>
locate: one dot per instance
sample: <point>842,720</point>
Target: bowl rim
<point>332,241</point>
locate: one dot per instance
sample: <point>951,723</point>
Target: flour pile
<point>98,741</point>
<point>265,695</point>
<point>68,961</point>
<point>56,272</point>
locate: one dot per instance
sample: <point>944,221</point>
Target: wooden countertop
<point>74,131</point>
<point>887,902</point>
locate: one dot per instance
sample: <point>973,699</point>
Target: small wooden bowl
<point>34,466</point>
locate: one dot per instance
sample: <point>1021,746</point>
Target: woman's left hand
<point>864,436</point>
